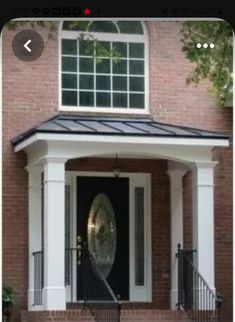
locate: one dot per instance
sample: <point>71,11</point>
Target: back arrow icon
<point>26,45</point>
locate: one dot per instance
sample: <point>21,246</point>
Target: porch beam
<point>203,219</point>
<point>34,226</point>
<point>176,174</point>
<point>54,294</point>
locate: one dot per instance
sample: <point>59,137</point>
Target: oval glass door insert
<point>102,233</point>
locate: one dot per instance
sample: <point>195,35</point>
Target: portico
<point>50,146</point>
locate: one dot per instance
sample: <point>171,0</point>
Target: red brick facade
<point>30,95</point>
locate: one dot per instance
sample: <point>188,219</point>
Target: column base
<point>174,299</point>
<point>31,305</point>
<point>54,298</point>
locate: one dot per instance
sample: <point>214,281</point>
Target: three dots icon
<point>205,45</point>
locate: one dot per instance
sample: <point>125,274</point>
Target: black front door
<point>103,225</point>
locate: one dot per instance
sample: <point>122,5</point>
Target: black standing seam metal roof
<point>72,124</point>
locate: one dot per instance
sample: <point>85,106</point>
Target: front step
<point>83,315</point>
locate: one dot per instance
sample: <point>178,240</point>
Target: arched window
<point>103,65</point>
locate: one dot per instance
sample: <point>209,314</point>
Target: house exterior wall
<point>30,95</point>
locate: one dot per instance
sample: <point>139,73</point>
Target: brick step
<point>83,315</point>
<point>153,316</point>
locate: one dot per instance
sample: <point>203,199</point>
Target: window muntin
<point>89,78</point>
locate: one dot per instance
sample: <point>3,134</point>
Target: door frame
<point>136,293</point>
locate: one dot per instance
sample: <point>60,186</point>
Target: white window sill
<point>127,111</point>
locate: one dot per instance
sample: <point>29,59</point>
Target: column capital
<point>54,169</point>
<point>204,164</point>
<point>36,168</point>
<point>172,173</point>
<point>51,159</point>
<point>204,173</point>
<point>176,169</point>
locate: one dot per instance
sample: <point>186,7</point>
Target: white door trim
<point>137,293</point>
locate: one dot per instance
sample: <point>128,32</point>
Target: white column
<point>34,225</point>
<point>203,219</point>
<point>176,203</point>
<point>54,295</point>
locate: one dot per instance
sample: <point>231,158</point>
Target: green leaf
<point>212,63</point>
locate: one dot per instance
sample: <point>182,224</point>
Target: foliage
<point>8,295</point>
<point>8,301</point>
<point>101,50</point>
<point>212,63</point>
<point>49,25</point>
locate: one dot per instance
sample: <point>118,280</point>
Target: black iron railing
<point>38,277</point>
<point>97,293</point>
<point>70,261</point>
<point>201,303</point>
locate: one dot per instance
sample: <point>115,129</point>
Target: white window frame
<point>112,37</point>
<point>136,293</point>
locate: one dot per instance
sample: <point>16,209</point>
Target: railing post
<point>178,255</point>
<point>119,311</point>
<point>176,172</point>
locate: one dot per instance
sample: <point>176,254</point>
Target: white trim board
<point>136,293</point>
<point>119,139</point>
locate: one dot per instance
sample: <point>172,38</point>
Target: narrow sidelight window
<point>139,236</point>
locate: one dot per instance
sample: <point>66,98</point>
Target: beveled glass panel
<point>102,233</point>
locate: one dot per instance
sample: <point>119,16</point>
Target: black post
<point>178,255</point>
<point>119,311</point>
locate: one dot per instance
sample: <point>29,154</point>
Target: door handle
<point>79,249</point>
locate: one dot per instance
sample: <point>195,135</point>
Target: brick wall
<point>30,95</point>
